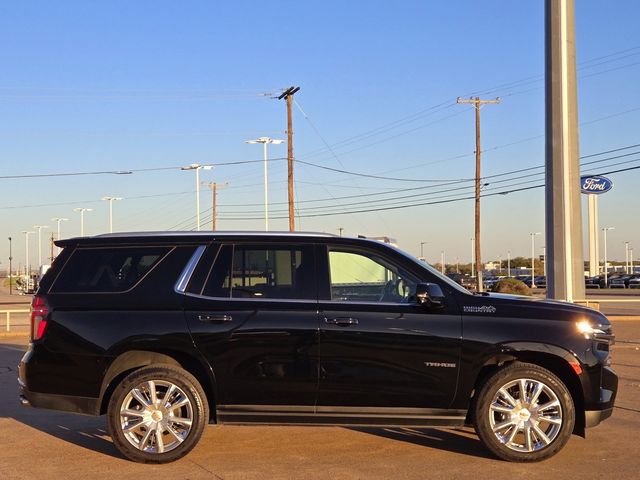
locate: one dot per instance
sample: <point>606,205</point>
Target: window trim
<point>187,271</point>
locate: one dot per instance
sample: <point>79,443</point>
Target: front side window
<point>359,277</point>
<point>107,270</point>
<point>263,272</point>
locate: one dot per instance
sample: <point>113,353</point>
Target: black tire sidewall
<point>189,385</point>
<point>506,375</point>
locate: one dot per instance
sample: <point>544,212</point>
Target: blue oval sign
<point>595,184</point>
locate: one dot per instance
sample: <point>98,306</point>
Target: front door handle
<point>215,318</point>
<point>341,321</point>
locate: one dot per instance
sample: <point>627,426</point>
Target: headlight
<point>588,330</point>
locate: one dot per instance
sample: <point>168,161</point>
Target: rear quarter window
<point>107,270</point>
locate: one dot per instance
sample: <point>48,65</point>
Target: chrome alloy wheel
<point>156,416</point>
<point>525,415</point>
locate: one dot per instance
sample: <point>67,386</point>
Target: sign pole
<point>594,254</point>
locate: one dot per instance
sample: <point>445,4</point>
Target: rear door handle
<point>341,321</point>
<point>215,318</point>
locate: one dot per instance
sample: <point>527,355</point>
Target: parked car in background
<point>623,281</point>
<point>634,282</point>
<point>593,282</point>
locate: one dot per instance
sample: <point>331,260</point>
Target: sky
<point>151,86</point>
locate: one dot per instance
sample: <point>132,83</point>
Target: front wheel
<point>524,413</point>
<point>157,414</point>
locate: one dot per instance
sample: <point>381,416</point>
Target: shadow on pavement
<point>456,441</point>
<point>85,431</point>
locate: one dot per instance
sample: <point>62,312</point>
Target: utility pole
<point>213,186</point>
<point>477,104</point>
<point>288,96</point>
<point>11,267</point>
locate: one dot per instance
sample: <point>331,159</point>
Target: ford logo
<point>591,184</point>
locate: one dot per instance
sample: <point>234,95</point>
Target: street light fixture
<point>265,141</point>
<point>533,254</point>
<point>197,167</point>
<point>111,200</point>
<point>606,272</point>
<point>82,210</point>
<point>39,228</point>
<point>58,220</point>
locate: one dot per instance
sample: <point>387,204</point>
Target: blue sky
<point>117,85</point>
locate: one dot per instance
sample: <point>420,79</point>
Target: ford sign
<point>595,184</point>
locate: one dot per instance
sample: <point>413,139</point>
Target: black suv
<point>166,332</point>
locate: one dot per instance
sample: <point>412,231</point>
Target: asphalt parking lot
<point>46,444</point>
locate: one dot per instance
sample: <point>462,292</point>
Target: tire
<point>524,432</point>
<point>146,428</point>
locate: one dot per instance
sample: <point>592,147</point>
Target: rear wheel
<point>157,414</point>
<point>524,413</point>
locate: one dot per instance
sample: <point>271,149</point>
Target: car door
<point>378,346</point>
<point>254,316</point>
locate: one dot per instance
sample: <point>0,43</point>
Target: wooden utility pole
<point>477,103</point>
<point>214,194</point>
<point>288,96</point>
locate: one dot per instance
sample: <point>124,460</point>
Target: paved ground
<point>45,444</point>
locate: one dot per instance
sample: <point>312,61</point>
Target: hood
<point>505,305</point>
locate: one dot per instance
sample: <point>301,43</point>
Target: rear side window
<point>107,270</point>
<point>263,272</point>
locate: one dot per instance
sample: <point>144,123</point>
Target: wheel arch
<point>132,360</point>
<point>554,359</point>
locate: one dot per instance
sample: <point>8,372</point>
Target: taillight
<point>39,312</point>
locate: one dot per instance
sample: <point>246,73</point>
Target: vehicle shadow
<point>458,440</point>
<point>84,431</point>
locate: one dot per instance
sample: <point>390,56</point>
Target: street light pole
<point>58,220</point>
<point>626,254</point>
<point>265,141</point>
<point>111,200</point>
<point>39,228</point>
<point>82,210</point>
<point>442,261</point>
<point>197,167</point>
<point>544,261</point>
<point>499,265</point>
<point>422,249</point>
<point>533,254</point>
<point>10,268</point>
<point>630,260</point>
<point>26,254</point>
<point>606,270</point>
<point>509,263</point>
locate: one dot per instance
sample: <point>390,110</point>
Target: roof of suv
<point>188,236</point>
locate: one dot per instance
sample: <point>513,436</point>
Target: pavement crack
<point>206,470</point>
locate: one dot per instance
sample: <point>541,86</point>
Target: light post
<point>111,200</point>
<point>82,210</point>
<point>265,141</point>
<point>27,267</point>
<point>442,262</point>
<point>340,229</point>
<point>499,265</point>
<point>509,263</point>
<point>626,255</point>
<point>58,220</point>
<point>39,228</point>
<point>457,265</point>
<point>10,267</point>
<point>630,260</point>
<point>533,254</point>
<point>606,271</point>
<point>422,249</point>
<point>544,261</point>
<point>197,167</point>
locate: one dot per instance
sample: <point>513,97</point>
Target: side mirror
<point>430,295</point>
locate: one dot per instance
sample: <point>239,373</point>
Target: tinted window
<point>103,270</point>
<point>263,272</point>
<point>359,277</point>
